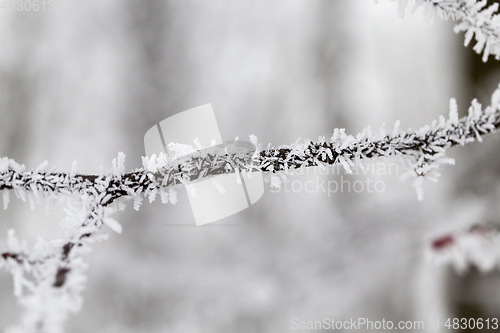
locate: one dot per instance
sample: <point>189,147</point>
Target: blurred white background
<point>88,79</point>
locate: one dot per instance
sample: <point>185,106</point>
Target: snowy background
<point>88,79</point>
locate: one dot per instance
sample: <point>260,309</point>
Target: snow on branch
<point>422,150</point>
<point>56,268</point>
<point>475,18</point>
<point>49,276</point>
<point>480,245</point>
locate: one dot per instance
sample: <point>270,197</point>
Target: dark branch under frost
<point>421,148</point>
<point>54,271</point>
<point>98,196</point>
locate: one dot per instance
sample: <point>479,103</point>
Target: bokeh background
<point>88,79</point>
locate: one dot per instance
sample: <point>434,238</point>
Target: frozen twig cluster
<point>49,276</point>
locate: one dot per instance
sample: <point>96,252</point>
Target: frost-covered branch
<point>422,150</point>
<point>56,267</point>
<point>49,276</point>
<point>475,18</point>
<point>479,245</point>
